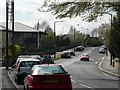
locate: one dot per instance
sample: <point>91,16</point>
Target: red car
<point>46,77</point>
<point>84,57</point>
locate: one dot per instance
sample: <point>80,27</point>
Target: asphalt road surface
<point>86,74</point>
<point>5,82</point>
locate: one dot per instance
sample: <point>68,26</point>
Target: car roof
<point>85,54</point>
<point>23,56</point>
<point>65,52</point>
<point>79,46</point>
<point>48,65</point>
<point>29,60</point>
<point>102,48</point>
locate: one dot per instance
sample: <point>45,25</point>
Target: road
<point>86,74</point>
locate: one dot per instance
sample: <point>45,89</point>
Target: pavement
<point>6,81</point>
<point>106,67</point>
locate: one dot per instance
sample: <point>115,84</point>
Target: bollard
<point>113,63</point>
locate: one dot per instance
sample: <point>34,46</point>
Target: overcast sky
<point>26,12</point>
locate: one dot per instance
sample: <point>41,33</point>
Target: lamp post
<point>111,28</point>
<point>55,37</point>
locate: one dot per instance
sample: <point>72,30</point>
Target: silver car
<point>23,68</point>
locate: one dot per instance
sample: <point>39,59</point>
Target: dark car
<point>79,48</point>
<point>48,77</point>
<point>66,55</point>
<point>36,57</point>
<point>47,59</point>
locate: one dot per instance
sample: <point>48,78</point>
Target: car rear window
<point>29,63</point>
<point>41,70</point>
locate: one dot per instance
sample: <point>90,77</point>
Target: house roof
<point>19,27</point>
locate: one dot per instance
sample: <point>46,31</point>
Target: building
<point>24,35</point>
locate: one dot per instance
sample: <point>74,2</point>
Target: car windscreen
<point>42,70</point>
<point>29,63</point>
<point>47,58</point>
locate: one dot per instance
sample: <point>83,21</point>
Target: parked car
<point>84,57</point>
<point>47,77</point>
<point>20,58</point>
<point>102,50</point>
<point>79,48</point>
<point>72,52</point>
<point>36,57</point>
<point>66,55</point>
<point>47,59</point>
<point>23,68</point>
<point>104,46</point>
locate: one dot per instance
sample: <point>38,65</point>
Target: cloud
<point>27,13</point>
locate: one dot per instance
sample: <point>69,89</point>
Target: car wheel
<point>17,81</point>
<point>27,88</point>
<point>24,87</point>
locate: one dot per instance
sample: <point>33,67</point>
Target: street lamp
<point>111,28</point>
<point>55,36</point>
<point>75,36</point>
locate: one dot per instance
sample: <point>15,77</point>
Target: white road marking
<point>110,76</point>
<point>73,80</point>
<point>85,86</point>
<point>99,59</point>
<point>12,80</point>
<point>96,63</point>
<point>105,74</point>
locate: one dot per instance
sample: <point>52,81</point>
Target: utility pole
<point>12,20</point>
<point>7,61</point>
<point>55,37</point>
<point>9,16</point>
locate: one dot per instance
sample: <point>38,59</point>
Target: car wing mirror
<point>66,72</point>
<point>14,66</point>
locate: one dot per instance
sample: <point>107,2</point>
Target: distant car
<point>47,77</point>
<point>102,50</point>
<point>104,46</point>
<point>66,55</point>
<point>36,57</point>
<point>72,52</point>
<point>79,48</point>
<point>22,69</point>
<point>84,57</point>
<point>47,59</point>
<point>21,57</point>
